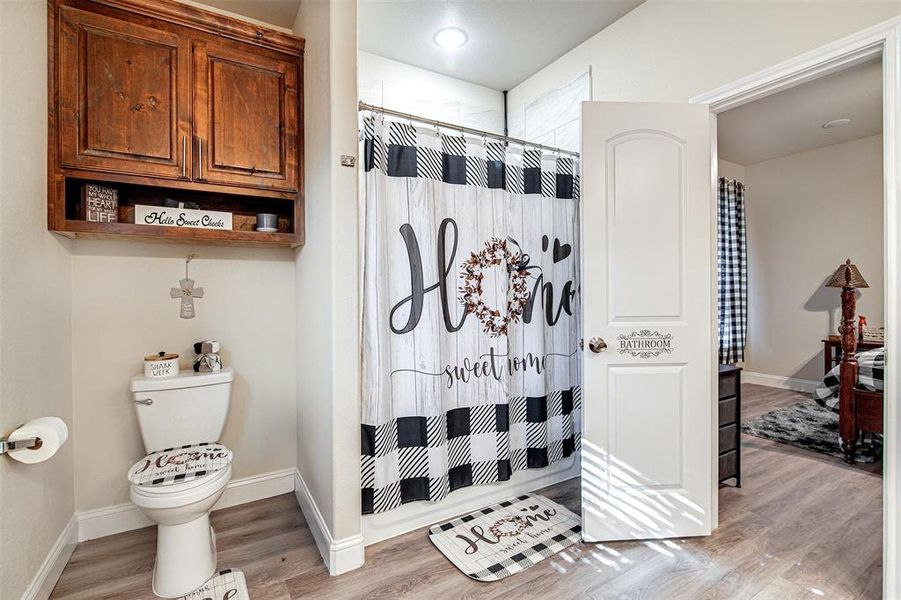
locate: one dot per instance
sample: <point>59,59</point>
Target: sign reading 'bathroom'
<point>182,217</point>
<point>645,343</point>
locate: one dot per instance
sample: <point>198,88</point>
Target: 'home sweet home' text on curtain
<point>471,327</point>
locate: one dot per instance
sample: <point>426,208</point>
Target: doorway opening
<point>800,191</point>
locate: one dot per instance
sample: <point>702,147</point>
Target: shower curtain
<point>732,271</point>
<point>471,316</point>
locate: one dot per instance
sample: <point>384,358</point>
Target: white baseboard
<point>119,518</point>
<point>408,517</point>
<point>257,487</point>
<point>339,556</point>
<point>778,381</point>
<point>53,565</point>
<point>109,520</point>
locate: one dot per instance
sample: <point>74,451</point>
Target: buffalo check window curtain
<point>471,326</point>
<point>732,271</point>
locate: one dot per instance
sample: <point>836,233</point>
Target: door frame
<point>882,40</point>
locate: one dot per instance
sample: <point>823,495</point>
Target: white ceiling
<point>274,12</point>
<point>508,40</point>
<point>791,121</point>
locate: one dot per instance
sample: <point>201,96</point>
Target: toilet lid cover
<point>177,465</point>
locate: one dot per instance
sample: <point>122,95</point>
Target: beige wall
<point>314,269</point>
<point>36,501</point>
<point>328,271</point>
<point>807,213</point>
<point>731,170</point>
<point>671,50</point>
<point>121,311</point>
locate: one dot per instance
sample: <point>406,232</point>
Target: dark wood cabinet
<point>161,100</point>
<point>245,127</point>
<point>124,96</point>
<point>729,407</point>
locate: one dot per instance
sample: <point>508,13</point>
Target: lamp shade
<point>847,276</point>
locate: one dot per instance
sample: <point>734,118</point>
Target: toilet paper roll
<point>52,432</point>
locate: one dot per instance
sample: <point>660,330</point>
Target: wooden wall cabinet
<point>124,98</point>
<point>162,100</point>
<point>246,131</point>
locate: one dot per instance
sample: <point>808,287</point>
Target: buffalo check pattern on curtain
<point>471,369</point>
<point>732,271</point>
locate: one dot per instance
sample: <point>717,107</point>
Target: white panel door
<point>648,227</point>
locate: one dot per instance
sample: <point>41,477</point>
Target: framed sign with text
<point>162,216</point>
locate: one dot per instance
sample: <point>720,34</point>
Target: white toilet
<point>184,473</point>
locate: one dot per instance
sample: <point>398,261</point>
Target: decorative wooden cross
<point>187,292</point>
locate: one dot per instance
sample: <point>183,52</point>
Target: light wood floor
<point>803,526</point>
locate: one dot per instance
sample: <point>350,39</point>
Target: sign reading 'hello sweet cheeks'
<point>182,217</point>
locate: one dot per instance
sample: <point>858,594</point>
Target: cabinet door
<point>124,97</point>
<point>246,117</point>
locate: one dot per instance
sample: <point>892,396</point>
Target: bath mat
<point>811,426</point>
<point>507,538</point>
<point>226,584</point>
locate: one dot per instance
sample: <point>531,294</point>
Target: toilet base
<point>185,557</point>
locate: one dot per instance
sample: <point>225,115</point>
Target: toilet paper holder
<point>6,445</point>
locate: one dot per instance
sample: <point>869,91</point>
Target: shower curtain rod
<point>461,128</point>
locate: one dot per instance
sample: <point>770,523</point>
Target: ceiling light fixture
<point>450,37</point>
<point>835,123</point>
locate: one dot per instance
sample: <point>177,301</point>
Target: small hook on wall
<point>187,260</point>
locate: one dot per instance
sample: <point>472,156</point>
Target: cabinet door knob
<point>145,401</point>
<point>597,344</point>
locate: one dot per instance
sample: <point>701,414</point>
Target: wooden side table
<point>832,350</point>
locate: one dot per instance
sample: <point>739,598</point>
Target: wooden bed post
<point>848,278</point>
<point>847,419</point>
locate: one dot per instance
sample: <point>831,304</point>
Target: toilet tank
<point>186,409</point>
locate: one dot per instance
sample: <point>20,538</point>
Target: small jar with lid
<point>161,364</point>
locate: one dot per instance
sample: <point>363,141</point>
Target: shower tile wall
<point>402,87</point>
<point>553,119</point>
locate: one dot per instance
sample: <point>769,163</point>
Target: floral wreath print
<point>184,458</point>
<point>499,529</point>
<point>495,253</point>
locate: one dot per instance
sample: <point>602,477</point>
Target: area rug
<point>225,584</point>
<point>811,426</point>
<point>507,538</point>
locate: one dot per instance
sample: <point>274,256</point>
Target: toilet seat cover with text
<point>177,465</point>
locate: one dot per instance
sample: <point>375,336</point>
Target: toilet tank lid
<point>184,379</point>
